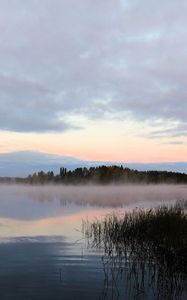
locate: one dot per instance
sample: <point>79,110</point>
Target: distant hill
<point>20,164</point>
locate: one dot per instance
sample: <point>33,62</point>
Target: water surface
<point>42,251</point>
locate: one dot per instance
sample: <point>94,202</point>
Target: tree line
<point>105,175</point>
<point>100,175</point>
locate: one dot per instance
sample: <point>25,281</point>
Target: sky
<point>97,80</point>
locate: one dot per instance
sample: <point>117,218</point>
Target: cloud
<point>27,106</point>
<point>177,131</point>
<point>175,143</point>
<point>99,59</point>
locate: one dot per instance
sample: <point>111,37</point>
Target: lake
<point>43,253</point>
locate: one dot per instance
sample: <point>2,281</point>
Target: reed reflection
<point>145,252</point>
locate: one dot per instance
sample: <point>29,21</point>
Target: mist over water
<point>57,210</point>
<point>43,253</point>
<point>97,195</point>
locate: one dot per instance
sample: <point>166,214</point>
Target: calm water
<point>42,251</point>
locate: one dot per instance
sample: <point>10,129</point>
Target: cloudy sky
<point>98,80</point>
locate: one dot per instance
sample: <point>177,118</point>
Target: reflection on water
<point>146,248</point>
<point>42,254</point>
<point>48,269</point>
<point>140,278</point>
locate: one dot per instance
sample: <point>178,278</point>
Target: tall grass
<point>150,242</point>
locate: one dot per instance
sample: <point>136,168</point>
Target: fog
<point>97,195</point>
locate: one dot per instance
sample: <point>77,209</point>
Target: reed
<point>150,241</point>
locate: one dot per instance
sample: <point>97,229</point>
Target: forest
<point>99,175</point>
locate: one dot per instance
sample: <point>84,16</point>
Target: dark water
<point>42,251</point>
<point>48,270</point>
